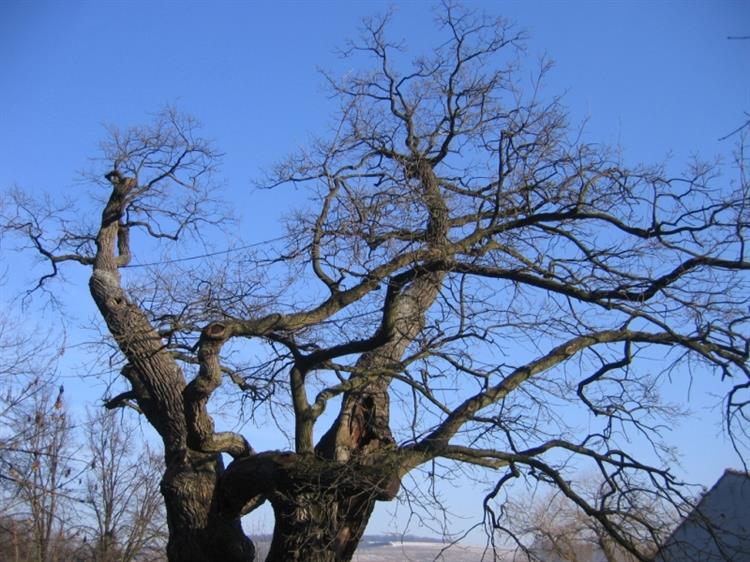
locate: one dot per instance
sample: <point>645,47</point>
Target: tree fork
<point>321,506</point>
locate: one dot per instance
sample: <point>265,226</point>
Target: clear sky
<point>659,79</point>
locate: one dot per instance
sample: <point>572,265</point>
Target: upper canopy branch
<point>434,443</point>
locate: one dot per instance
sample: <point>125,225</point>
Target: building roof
<point>718,529</point>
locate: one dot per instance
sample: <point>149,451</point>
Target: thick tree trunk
<point>321,506</point>
<point>324,528</point>
<point>189,482</point>
<point>197,533</point>
<point>318,526</point>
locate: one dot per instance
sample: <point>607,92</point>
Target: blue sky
<point>659,79</point>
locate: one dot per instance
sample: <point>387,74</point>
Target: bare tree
<point>35,442</point>
<point>122,492</point>
<point>40,475</point>
<point>472,260</point>
<point>26,376</point>
<point>26,369</point>
<point>551,528</point>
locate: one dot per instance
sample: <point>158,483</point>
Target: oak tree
<point>464,273</point>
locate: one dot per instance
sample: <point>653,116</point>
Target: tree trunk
<point>321,506</point>
<point>196,532</point>
<point>318,526</point>
<point>190,479</point>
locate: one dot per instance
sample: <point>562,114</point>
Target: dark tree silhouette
<point>463,256</point>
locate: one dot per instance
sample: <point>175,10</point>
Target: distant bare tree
<point>34,441</point>
<point>553,529</point>
<point>461,254</point>
<point>122,493</point>
<point>26,369</point>
<point>40,474</point>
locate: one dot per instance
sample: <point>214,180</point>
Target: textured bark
<point>318,527</point>
<point>190,479</point>
<point>196,531</point>
<point>362,426</point>
<point>321,507</point>
<point>361,433</point>
<point>322,498</point>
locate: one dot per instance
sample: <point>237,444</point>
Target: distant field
<point>426,552</point>
<point>382,550</point>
